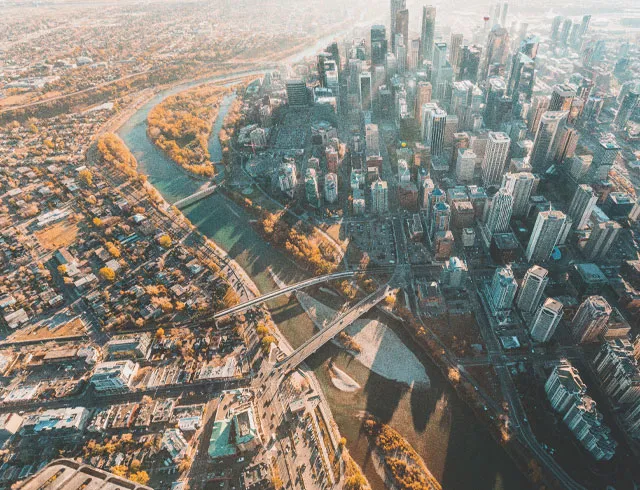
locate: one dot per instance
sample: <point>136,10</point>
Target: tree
<point>108,274</point>
<point>62,269</point>
<point>160,333</point>
<point>141,477</point>
<point>355,482</point>
<point>97,222</point>
<point>86,177</point>
<point>135,466</point>
<point>165,241</point>
<point>266,342</point>
<point>119,470</point>
<point>343,442</point>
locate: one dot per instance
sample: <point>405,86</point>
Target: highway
<point>274,294</point>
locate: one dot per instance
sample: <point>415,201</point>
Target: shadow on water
<point>458,451</point>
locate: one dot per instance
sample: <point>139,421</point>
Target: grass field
<point>61,234</point>
<point>45,331</point>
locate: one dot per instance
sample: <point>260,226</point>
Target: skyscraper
<point>423,96</point>
<point>546,320</point>
<point>582,204</point>
<point>565,143</point>
<point>499,213</point>
<point>365,91</point>
<point>602,237</point>
<point>427,33</point>
<point>546,233</point>
<point>470,63</point>
<point>591,319</point>
<point>378,44</point>
<point>465,165</point>
<point>434,123</point>
<point>626,108</point>
<point>455,52</point>
<point>503,15</point>
<point>503,289</point>
<point>440,219</point>
<point>562,96</point>
<point>532,288</point>
<point>497,50</point>
<point>496,89</point>
<point>543,143</point>
<point>442,72</point>
<point>521,77</point>
<point>414,54</point>
<point>539,106</point>
<point>495,158</point>
<point>396,6</point>
<point>402,28</point>
<point>565,30</point>
<point>379,197</point>
<point>520,186</point>
<point>604,157</point>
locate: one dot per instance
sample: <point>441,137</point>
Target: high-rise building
<point>442,72</point>
<point>626,108</point>
<point>311,187</point>
<point>546,233</point>
<point>568,396</point>
<point>423,96</point>
<point>604,157</point>
<point>440,219</point>
<point>533,284</point>
<point>582,204</point>
<point>562,96</point>
<point>470,63</point>
<point>520,186</point>
<point>331,187</point>
<point>434,123</point>
<point>618,371</point>
<point>539,105</point>
<point>503,289</point>
<point>455,52</point>
<point>378,44</point>
<point>379,197</point>
<point>495,158</point>
<point>503,15</point>
<point>454,273</point>
<point>396,6</point>
<point>545,136</point>
<point>555,28</point>
<point>602,237</point>
<point>521,77</point>
<point>591,319</point>
<point>365,91</point>
<point>402,28</point>
<point>297,94</point>
<point>414,54</point>
<point>428,31</point>
<point>565,31</point>
<point>497,50</point>
<point>496,89</point>
<point>546,320</point>
<point>287,178</point>
<point>465,165</point>
<point>565,143</point>
<point>372,139</point>
<point>499,213</point>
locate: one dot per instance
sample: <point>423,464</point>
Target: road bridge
<point>298,356</point>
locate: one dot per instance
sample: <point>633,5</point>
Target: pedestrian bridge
<point>195,197</point>
<point>288,289</point>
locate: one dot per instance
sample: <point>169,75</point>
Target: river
<point>455,446</point>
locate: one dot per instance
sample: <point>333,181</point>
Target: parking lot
<point>376,238</point>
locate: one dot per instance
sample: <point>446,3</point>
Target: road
<point>517,415</point>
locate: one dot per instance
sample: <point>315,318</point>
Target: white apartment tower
<point>495,158</point>
<point>535,280</point>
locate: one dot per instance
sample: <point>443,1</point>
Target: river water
<point>456,448</point>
